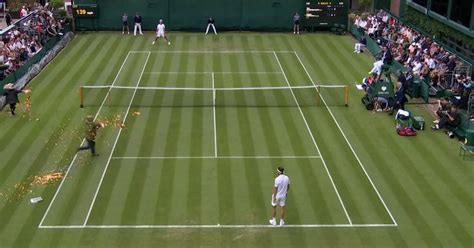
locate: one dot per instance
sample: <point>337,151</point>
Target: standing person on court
<point>279,194</point>
<point>138,24</point>
<point>160,32</point>
<point>210,23</point>
<point>296,23</point>
<point>11,96</point>
<point>91,128</point>
<point>125,23</point>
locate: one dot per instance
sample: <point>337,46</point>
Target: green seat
<point>463,127</point>
<point>466,149</point>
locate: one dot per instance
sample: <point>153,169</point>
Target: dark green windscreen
<point>193,14</point>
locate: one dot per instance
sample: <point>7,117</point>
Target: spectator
<point>377,69</point>
<point>443,107</point>
<point>367,82</point>
<point>23,12</point>
<point>381,104</point>
<point>359,46</point>
<point>419,54</point>
<point>451,120</point>
<point>22,41</point>
<point>387,57</point>
<point>8,19</point>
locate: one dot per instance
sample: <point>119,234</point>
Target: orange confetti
<point>47,179</point>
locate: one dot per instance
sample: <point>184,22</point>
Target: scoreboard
<point>84,10</point>
<point>326,13</point>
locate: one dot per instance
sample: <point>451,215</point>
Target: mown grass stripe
<point>40,158</point>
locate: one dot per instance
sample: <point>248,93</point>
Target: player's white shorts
<point>280,201</point>
<point>160,34</point>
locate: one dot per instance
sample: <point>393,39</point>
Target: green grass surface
<point>425,185</point>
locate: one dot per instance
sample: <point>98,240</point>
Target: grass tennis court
<point>195,167</point>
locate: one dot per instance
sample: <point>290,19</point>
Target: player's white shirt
<point>281,183</point>
<point>160,28</point>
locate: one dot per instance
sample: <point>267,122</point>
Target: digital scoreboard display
<point>326,13</point>
<point>84,10</point>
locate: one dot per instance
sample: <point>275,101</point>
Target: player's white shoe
<point>282,222</point>
<point>273,222</point>
<point>169,43</point>
<point>153,43</point>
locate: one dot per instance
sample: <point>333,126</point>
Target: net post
<point>81,95</point>
<point>346,95</point>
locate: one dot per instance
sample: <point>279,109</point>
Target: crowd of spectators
<point>421,56</point>
<point>27,37</point>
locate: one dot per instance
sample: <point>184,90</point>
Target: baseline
<point>210,72</point>
<point>215,226</point>
<point>212,51</point>
<point>219,157</point>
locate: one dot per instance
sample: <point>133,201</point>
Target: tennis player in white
<point>279,193</point>
<point>160,32</point>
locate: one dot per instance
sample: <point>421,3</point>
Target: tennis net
<point>303,96</point>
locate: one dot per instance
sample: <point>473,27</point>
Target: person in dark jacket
<point>359,46</point>
<point>400,98</point>
<point>211,24</point>
<point>387,57</point>
<point>90,134</point>
<point>11,96</point>
<point>450,121</point>
<point>138,24</point>
<point>8,19</point>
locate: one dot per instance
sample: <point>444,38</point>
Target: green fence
<point>17,74</point>
<point>193,14</point>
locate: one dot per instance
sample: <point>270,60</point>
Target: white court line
<point>214,112</point>
<point>219,157</point>
<point>314,141</point>
<point>82,143</point>
<point>214,51</point>
<point>348,143</point>
<point>216,226</point>
<point>210,72</point>
<point>115,143</point>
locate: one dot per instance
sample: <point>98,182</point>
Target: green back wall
<point>193,14</point>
